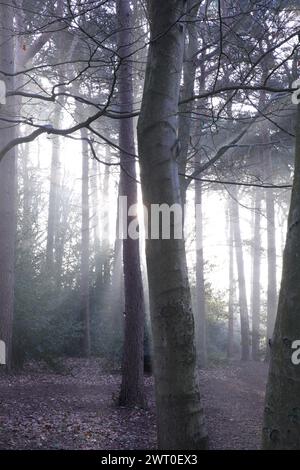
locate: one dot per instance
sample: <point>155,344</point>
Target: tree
<point>231,288</point>
<point>7,181</point>
<point>256,261</point>
<point>281,429</point>
<point>132,387</point>
<point>271,255</point>
<point>85,248</point>
<point>179,412</point>
<point>235,215</point>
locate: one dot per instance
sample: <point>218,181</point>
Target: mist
<point>149,225</point>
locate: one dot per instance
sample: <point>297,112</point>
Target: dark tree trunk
<point>132,386</point>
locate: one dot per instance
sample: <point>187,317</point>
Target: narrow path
<point>234,400</point>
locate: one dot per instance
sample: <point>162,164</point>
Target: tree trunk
<point>85,248</point>
<point>272,278</point>
<point>231,296</point>
<point>200,321</point>
<point>115,321</point>
<point>179,412</point>
<point>241,276</point>
<point>256,260</point>
<point>281,428</point>
<point>7,182</point>
<point>132,386</point>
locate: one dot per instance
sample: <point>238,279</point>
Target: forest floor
<point>76,408</point>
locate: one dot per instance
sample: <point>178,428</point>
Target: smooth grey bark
<point>7,182</point>
<point>256,288</point>
<point>200,314</point>
<point>271,256</point>
<point>281,429</point>
<point>244,318</point>
<point>132,386</point>
<point>231,289</point>
<point>180,417</point>
<point>85,248</point>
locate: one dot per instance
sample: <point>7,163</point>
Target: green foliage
<point>217,324</point>
<point>47,323</point>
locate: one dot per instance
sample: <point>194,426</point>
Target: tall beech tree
<point>281,429</point>
<point>180,417</point>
